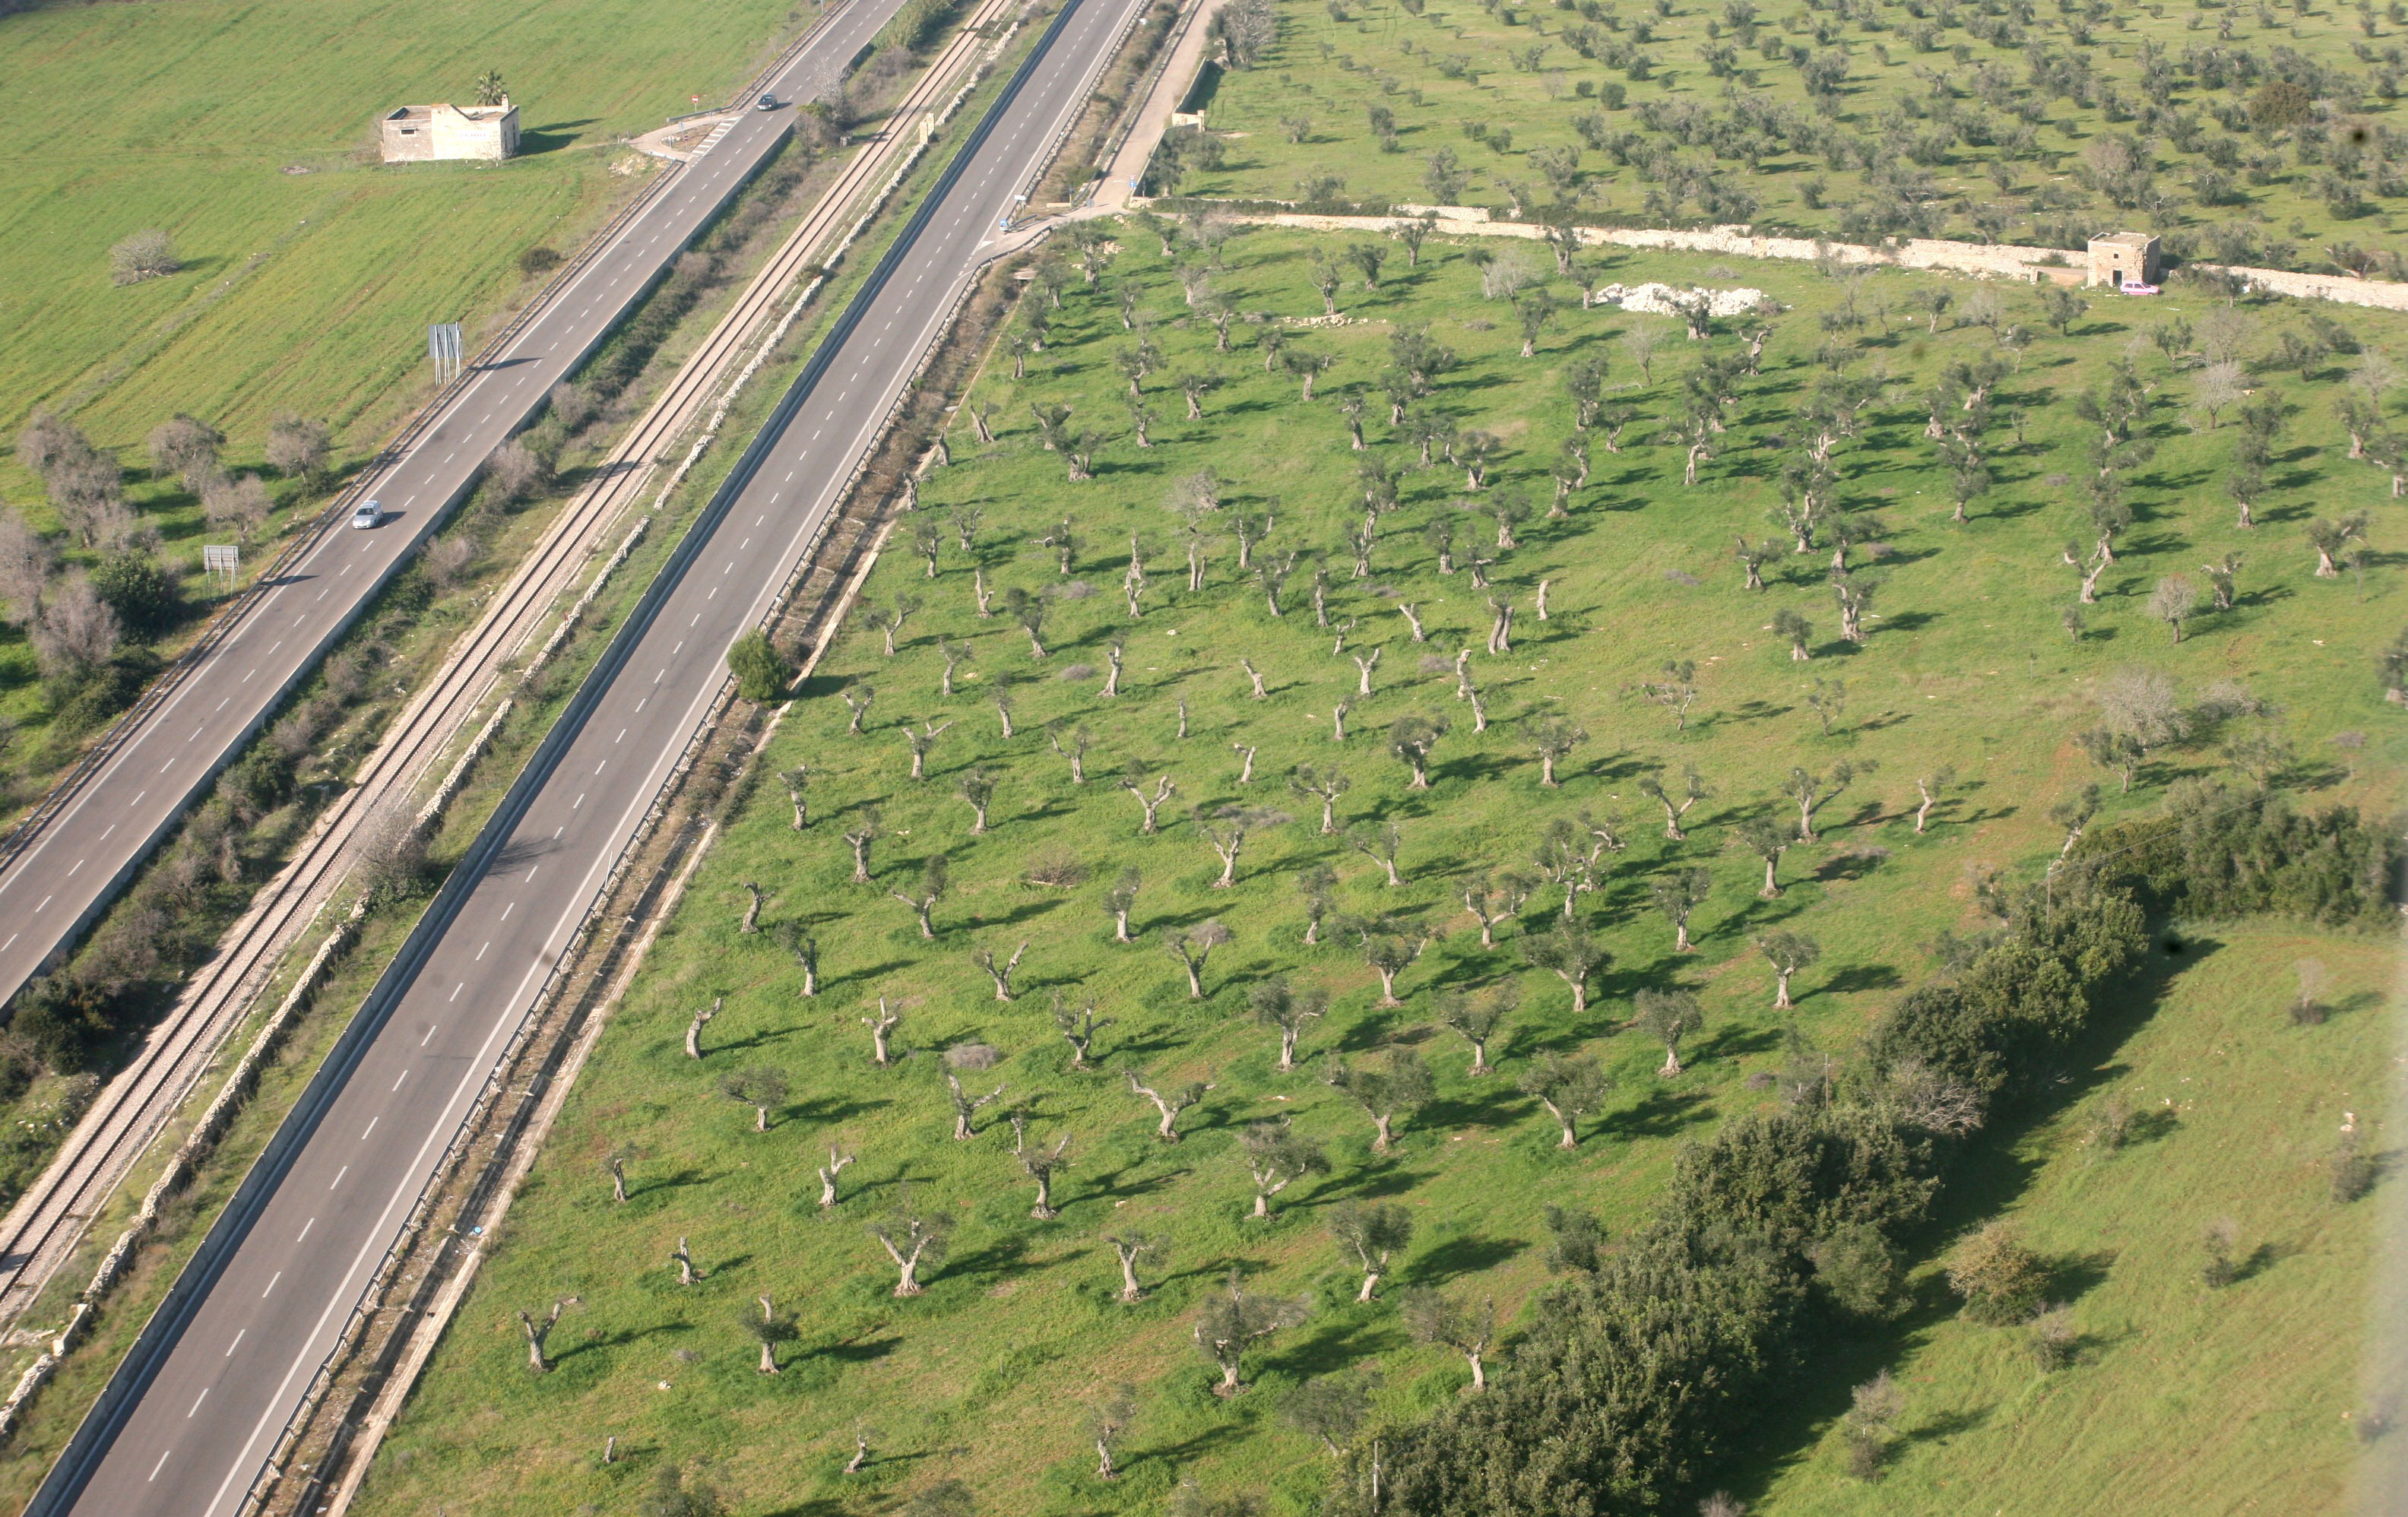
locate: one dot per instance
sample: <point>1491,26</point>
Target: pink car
<point>2134,287</point>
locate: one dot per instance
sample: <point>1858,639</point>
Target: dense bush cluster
<point>2217,851</point>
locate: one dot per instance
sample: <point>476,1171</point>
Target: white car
<point>2135,287</point>
<point>369,515</point>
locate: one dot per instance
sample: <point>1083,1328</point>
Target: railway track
<point>42,1232</point>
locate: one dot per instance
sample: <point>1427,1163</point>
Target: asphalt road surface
<point>196,1434</point>
<point>86,853</point>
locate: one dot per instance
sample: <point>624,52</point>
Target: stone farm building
<point>2125,255</point>
<point>414,133</point>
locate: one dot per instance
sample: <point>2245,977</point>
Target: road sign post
<point>443,346</point>
<point>218,560</point>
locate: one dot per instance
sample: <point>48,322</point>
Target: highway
<point>197,1418</point>
<point>70,870</point>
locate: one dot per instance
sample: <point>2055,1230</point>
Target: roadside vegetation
<point>2257,135</point>
<point>1216,1040</point>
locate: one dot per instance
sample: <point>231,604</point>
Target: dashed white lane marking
<point>162,1464</point>
<point>347,1169</point>
<point>271,1284</point>
<point>196,1404</point>
<point>312,1222</point>
<point>237,1343</point>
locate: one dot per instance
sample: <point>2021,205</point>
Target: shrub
<point>1858,1269</point>
<point>2051,1339</point>
<point>2216,1241</point>
<point>762,673</point>
<point>147,599</point>
<point>86,701</point>
<point>63,1018</point>
<point>1057,868</point>
<point>144,255</point>
<point>2351,1168</point>
<point>539,261</point>
<point>2001,1281</point>
<point>2215,852</point>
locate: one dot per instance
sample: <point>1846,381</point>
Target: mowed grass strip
<point>1967,668</point>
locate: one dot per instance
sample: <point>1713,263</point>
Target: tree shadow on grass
<point>1736,1042</point>
<point>1112,1185</point>
<point>834,1109</point>
<point>1372,1181</point>
<point>683,1179</point>
<point>1856,978</point>
<point>1659,1113</point>
<point>1211,1440</point>
<point>620,1339</point>
<point>1468,1255</point>
<point>1333,1343</point>
<point>1000,1260</point>
<point>863,1347</point>
<point>1498,1110</point>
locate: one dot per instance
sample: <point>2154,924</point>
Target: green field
<point>304,292</point>
<point>1967,667</point>
<point>1991,124</point>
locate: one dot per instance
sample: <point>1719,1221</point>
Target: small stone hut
<point>2125,255</point>
<point>416,134</point>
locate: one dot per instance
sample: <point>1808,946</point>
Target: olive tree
<point>1234,1321</point>
<point>1466,1328</point>
<point>1168,1107</point>
<point>1569,1089</point>
<point>915,1241</point>
<point>1368,1235</point>
<point>1131,1247</point>
<point>760,1087</point>
<point>1277,1156</point>
<point>1788,953</point>
<point>1275,1004</point>
<point>1667,1016</point>
<point>1678,896</point>
<point>1478,1019</point>
<point>1388,1093</point>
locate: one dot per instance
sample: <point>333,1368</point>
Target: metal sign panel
<point>443,346</point>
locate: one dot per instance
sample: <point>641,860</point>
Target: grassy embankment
<point>1967,665</point>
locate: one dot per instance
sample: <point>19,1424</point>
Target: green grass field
<point>306,292</point>
<point>1935,131</point>
<point>982,1378</point>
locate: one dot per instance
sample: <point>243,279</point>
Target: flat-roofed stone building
<point>2124,255</point>
<point>416,134</point>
